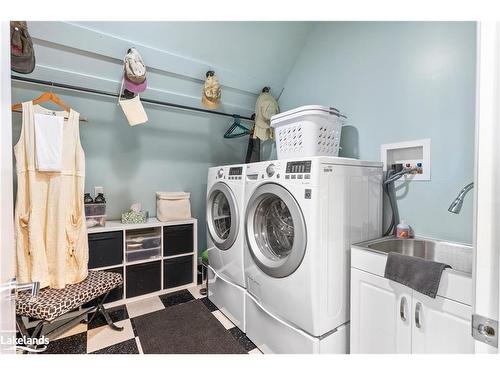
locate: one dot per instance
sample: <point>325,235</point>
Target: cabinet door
<point>441,326</point>
<point>105,249</point>
<point>143,278</point>
<point>177,271</point>
<point>380,315</point>
<point>178,239</point>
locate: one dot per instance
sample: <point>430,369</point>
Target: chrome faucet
<point>457,203</point>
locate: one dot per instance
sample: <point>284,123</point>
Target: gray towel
<point>419,274</point>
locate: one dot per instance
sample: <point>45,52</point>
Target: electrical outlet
<point>97,190</point>
<point>410,164</point>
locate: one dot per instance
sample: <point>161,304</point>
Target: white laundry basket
<point>311,130</point>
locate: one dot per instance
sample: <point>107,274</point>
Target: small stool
<point>51,304</point>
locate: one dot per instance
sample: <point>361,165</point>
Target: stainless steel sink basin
<point>458,256</point>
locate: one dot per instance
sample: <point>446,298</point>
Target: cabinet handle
<point>402,309</point>
<point>418,308</point>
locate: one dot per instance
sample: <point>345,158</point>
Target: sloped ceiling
<point>245,55</point>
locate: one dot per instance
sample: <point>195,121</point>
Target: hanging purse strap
<point>121,90</point>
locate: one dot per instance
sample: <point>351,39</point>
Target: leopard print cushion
<point>52,303</point>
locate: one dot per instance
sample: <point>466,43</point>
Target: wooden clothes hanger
<point>47,96</point>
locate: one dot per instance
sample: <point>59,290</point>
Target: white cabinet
<point>388,317</point>
<point>441,326</point>
<point>380,315</point>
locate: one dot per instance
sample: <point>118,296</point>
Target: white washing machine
<point>301,217</point>
<point>225,239</point>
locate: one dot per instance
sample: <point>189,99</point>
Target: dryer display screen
<point>298,167</point>
<point>235,171</point>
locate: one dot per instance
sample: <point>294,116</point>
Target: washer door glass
<point>274,222</point>
<point>276,230</point>
<point>222,216</point>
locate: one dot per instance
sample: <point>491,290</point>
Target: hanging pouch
<point>133,109</point>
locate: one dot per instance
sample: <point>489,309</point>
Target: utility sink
<point>458,256</point>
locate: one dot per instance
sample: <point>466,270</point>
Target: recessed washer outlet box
<point>418,151</point>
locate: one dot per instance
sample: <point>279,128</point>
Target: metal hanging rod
<point>110,94</point>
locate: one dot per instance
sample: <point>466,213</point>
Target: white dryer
<point>301,217</point>
<point>225,239</point>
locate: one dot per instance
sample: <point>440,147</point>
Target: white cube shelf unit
<point>154,258</point>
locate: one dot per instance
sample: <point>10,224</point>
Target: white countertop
<point>115,225</point>
<point>454,285</point>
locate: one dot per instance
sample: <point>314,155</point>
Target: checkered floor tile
<point>98,338</point>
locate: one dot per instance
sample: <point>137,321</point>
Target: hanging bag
<point>133,109</point>
<point>22,53</point>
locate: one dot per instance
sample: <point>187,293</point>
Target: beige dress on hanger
<point>51,235</point>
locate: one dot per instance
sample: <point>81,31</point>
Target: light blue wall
<point>400,81</point>
<point>396,81</point>
<point>173,151</point>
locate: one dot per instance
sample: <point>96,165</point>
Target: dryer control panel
<point>298,166</point>
<point>235,171</point>
<point>298,170</point>
<point>227,172</point>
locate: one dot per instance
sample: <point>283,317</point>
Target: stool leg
<point>36,335</point>
<point>94,315</point>
<point>108,319</point>
<point>21,327</point>
<point>101,309</point>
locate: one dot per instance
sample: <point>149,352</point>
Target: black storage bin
<point>115,294</point>
<point>143,278</point>
<point>105,249</point>
<point>177,239</point>
<point>177,271</point>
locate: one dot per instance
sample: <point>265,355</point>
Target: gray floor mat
<point>187,328</point>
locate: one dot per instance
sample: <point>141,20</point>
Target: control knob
<point>270,170</point>
<point>220,173</point>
